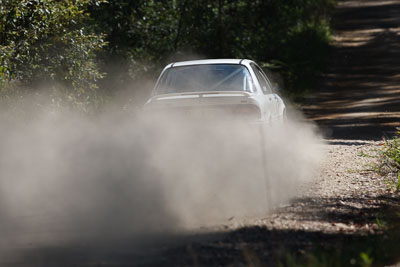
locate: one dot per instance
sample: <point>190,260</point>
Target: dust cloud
<point>66,176</point>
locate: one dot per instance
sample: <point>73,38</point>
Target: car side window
<point>263,80</point>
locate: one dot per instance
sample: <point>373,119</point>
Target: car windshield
<point>205,78</point>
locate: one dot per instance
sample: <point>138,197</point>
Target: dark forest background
<point>84,53</point>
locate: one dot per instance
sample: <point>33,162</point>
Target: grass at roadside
<point>389,161</point>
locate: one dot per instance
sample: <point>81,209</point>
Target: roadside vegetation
<point>389,161</point>
<point>83,51</point>
<point>52,45</point>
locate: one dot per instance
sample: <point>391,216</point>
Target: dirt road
<point>338,219</point>
<point>360,98</point>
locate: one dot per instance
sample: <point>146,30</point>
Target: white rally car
<point>217,89</point>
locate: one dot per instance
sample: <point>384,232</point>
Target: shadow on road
<point>250,246</point>
<point>360,95</point>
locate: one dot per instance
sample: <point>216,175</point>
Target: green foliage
<point>379,222</point>
<point>389,161</point>
<point>391,151</point>
<point>49,42</point>
<point>140,34</point>
<point>366,259</point>
<point>72,44</point>
<point>291,36</point>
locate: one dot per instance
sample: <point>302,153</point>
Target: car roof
<point>209,61</point>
